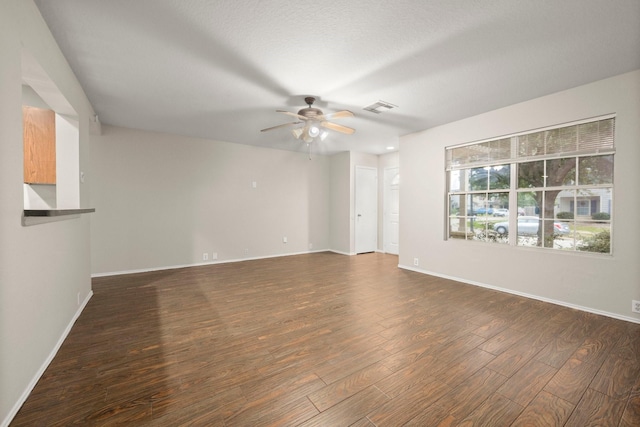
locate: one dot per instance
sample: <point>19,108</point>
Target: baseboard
<point>381,251</point>
<point>225,261</point>
<point>523,294</point>
<point>43,367</point>
<point>342,253</point>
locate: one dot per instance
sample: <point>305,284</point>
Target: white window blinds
<point>594,137</point>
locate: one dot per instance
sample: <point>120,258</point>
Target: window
<point>553,186</point>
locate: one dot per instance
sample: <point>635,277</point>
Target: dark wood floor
<point>332,340</point>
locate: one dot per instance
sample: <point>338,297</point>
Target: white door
<point>391,225</point>
<point>366,205</point>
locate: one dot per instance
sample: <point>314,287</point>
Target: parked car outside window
<point>501,212</point>
<point>481,211</point>
<point>529,225</point>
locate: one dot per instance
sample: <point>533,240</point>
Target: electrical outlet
<point>635,306</point>
<point>214,255</point>
<point>284,240</point>
<point>310,245</point>
<point>205,256</point>
<point>246,251</point>
<point>416,262</point>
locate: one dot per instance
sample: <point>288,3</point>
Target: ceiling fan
<point>314,120</point>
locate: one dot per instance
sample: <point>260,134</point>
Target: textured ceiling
<point>218,69</point>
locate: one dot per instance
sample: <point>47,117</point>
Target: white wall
<point>340,203</point>
<point>163,200</point>
<point>43,268</point>
<point>604,284</point>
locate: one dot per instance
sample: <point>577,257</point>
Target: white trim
<point>342,253</point>
<point>25,394</point>
<point>523,294</point>
<point>226,261</point>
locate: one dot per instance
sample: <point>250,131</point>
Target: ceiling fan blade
<point>338,115</point>
<point>281,126</point>
<point>289,113</point>
<point>337,127</point>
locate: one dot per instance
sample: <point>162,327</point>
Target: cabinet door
<point>39,139</point>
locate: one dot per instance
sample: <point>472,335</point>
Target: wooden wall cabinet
<point>39,139</point>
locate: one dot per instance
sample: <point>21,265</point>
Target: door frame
<point>395,170</point>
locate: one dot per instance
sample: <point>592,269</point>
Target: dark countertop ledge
<point>56,212</point>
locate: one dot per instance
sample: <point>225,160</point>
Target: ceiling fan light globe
<point>297,133</point>
<point>314,131</point>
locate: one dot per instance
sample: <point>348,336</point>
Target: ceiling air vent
<point>379,107</point>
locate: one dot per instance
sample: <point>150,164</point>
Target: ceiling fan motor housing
<point>310,112</point>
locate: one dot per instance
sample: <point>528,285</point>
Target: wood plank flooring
<point>331,340</point>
